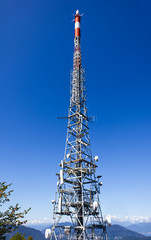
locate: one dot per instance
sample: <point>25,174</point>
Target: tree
<point>30,238</point>
<point>11,218</point>
<point>18,236</point>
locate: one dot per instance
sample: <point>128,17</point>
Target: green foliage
<point>11,218</point>
<point>18,236</point>
<point>30,238</point>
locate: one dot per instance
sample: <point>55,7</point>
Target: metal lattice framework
<point>78,188</point>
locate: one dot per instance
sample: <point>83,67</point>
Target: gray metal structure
<point>78,187</point>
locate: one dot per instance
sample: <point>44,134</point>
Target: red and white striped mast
<point>77,24</point>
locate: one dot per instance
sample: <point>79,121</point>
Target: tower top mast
<point>77,24</point>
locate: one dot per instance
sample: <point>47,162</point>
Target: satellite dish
<point>95,205</point>
<point>47,233</point>
<point>96,158</point>
<point>108,220</point>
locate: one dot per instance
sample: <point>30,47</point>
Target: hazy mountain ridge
<point>144,228</point>
<point>117,231</point>
<point>114,232</point>
<point>36,234</point>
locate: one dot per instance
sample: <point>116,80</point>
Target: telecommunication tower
<point>77,199</point>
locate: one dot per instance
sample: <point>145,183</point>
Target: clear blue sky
<point>36,54</point>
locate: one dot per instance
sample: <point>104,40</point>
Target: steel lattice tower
<point>78,188</point>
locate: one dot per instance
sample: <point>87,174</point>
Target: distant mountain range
<point>37,235</point>
<point>114,232</point>
<point>144,228</point>
<point>122,233</point>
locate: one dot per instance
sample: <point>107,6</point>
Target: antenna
<point>77,198</point>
